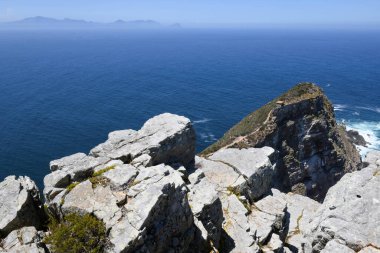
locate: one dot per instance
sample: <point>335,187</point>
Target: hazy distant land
<point>40,22</point>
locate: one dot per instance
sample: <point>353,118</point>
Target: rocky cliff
<point>314,151</point>
<point>147,191</point>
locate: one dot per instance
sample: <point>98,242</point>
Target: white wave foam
<point>339,107</point>
<point>201,121</point>
<point>208,137</point>
<point>371,133</point>
<point>372,109</point>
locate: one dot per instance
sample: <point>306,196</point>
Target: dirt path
<point>242,138</point>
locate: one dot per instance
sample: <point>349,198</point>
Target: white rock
<point>157,211</point>
<point>166,138</point>
<point>334,246</point>
<point>26,239</point>
<point>369,249</point>
<point>267,216</point>
<point>237,235</point>
<point>274,244</point>
<point>75,167</point>
<point>20,204</point>
<point>301,210</point>
<point>218,173</point>
<point>121,176</point>
<point>350,211</point>
<point>207,210</point>
<point>99,200</point>
<point>253,164</point>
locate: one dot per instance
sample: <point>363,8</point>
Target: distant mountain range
<point>45,22</point>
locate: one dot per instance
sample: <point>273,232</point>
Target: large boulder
<point>166,138</point>
<point>157,215</point>
<point>351,210</point>
<point>20,204</point>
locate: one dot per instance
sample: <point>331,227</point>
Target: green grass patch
<point>71,186</point>
<point>102,171</point>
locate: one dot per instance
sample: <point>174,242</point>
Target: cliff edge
<point>314,151</point>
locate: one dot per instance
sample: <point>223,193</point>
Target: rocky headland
<point>287,178</point>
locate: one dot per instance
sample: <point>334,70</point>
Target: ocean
<point>62,92</point>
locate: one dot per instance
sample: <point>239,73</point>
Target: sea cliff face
<point>150,192</point>
<point>314,152</point>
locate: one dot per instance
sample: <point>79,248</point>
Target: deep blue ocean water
<point>62,92</point>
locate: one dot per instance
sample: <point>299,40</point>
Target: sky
<point>202,12</point>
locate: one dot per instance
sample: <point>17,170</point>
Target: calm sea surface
<point>62,92</point>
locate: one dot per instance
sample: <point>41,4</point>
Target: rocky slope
<point>314,151</point>
<point>153,194</point>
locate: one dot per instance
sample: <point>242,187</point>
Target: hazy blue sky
<point>357,12</point>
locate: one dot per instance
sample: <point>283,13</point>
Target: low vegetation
<point>102,171</point>
<point>97,177</point>
<point>77,234</point>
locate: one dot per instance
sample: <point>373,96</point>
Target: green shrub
<point>77,234</point>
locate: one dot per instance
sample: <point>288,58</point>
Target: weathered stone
<point>351,211</point>
<point>274,245</point>
<point>75,167</point>
<point>99,200</point>
<point>236,236</point>
<point>300,210</point>
<point>267,217</point>
<point>124,237</point>
<point>26,239</point>
<point>166,138</point>
<point>143,160</point>
<point>335,246</point>
<point>157,211</point>
<point>254,164</point>
<point>219,174</point>
<point>30,248</point>
<point>370,249</point>
<point>207,210</point>
<point>372,158</point>
<point>20,204</point>
<point>121,176</point>
<point>115,141</point>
